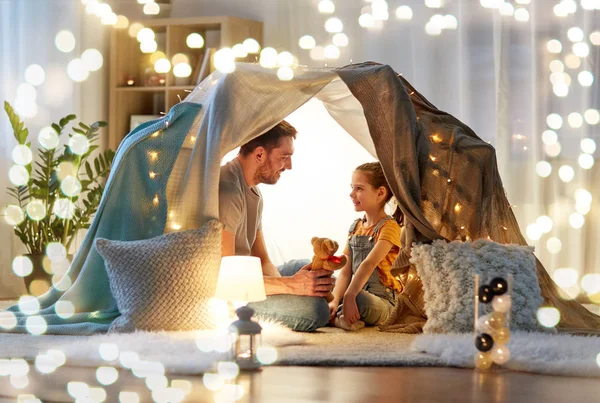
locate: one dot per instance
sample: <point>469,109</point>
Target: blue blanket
<point>121,215</point>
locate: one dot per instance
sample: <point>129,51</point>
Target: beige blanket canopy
<point>444,177</point>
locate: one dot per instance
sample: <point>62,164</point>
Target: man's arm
<point>316,283</point>
<point>260,250</point>
<point>227,243</point>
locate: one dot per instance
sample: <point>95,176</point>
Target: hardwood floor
<point>356,384</point>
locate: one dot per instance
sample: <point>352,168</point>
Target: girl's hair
<point>376,178</point>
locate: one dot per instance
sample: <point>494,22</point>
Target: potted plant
<point>54,196</point>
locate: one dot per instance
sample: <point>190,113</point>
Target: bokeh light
<point>404,13</point>
<point>65,41</point>
<point>18,175</point>
<point>8,320</point>
<point>22,155</point>
<point>108,351</point>
<point>554,121</point>
<point>145,35</point>
<point>70,186</point>
<point>35,75</point>
<point>22,266</point>
<point>548,316</point>
<point>93,60</point>
<point>36,325</point>
<point>543,169</point>
<point>592,116</point>
<point>79,144</point>
<point>48,138</point>
<point>13,215</point>
<point>566,173</point>
<point>64,309</point>
<point>576,220</point>
<point>586,161</point>
<point>107,375</point>
<point>182,70</point>
<point>326,7</point>
<point>553,245</point>
<point>285,73</point>
<point>334,25</point>
<point>588,146</point>
<point>148,46</point>
<point>194,41</point>
<point>554,46</point>
<point>268,57</point>
<point>77,70</point>
<point>162,66</point>
<point>549,137</point>
<point>307,42</point>
<point>225,60</point>
<point>332,52</point>
<point>266,355</point>
<point>251,45</point>
<point>36,210</point>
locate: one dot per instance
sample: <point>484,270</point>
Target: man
<point>294,293</point>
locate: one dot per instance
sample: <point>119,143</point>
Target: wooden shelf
<point>127,62</point>
<point>143,89</point>
<point>181,87</point>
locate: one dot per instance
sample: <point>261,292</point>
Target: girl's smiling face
<point>364,195</point>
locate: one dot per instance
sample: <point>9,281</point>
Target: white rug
<point>530,352</point>
<point>178,352</point>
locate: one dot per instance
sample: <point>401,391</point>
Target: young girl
<point>365,286</point>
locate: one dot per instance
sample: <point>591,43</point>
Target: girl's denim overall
<point>375,301</point>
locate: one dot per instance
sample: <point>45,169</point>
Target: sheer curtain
<point>492,73</point>
<point>27,32</point>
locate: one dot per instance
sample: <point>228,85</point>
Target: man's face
<point>277,161</point>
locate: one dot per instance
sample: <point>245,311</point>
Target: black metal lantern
<point>248,338</point>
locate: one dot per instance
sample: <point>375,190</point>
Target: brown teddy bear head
<point>324,247</point>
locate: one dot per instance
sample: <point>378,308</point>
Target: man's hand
<point>350,309</point>
<point>318,283</point>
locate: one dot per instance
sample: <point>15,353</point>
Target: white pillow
<point>447,272</point>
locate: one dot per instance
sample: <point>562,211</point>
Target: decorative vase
<point>40,279</point>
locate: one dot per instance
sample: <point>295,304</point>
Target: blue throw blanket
<point>121,216</point>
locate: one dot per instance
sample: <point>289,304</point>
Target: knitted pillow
<point>164,283</point>
<point>447,271</point>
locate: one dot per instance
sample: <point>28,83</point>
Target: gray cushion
<point>447,272</point>
<point>164,283</point>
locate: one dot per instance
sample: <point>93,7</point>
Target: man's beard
<point>266,174</point>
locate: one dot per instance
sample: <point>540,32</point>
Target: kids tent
<point>432,162</point>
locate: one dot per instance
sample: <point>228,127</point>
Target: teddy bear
<point>324,258</point>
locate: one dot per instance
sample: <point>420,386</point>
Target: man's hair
<point>270,139</point>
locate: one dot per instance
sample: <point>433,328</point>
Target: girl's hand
<point>333,307</point>
<point>350,309</point>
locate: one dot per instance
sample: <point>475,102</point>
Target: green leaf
<point>79,131</point>
<point>56,128</point>
<point>88,170</point>
<point>65,121</point>
<point>19,133</point>
<point>97,165</point>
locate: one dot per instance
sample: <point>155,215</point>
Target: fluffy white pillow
<point>447,272</point>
